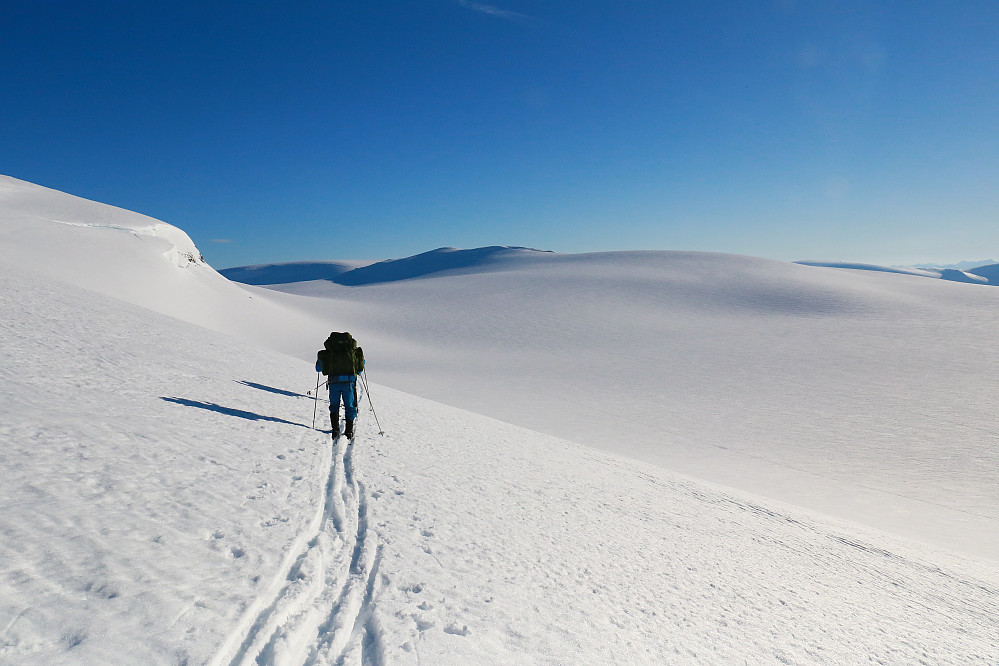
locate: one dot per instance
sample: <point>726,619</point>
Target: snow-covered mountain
<point>942,273</point>
<point>296,271</point>
<point>990,272</point>
<point>165,498</point>
<point>436,263</point>
<point>961,265</point>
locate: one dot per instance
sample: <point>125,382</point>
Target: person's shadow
<point>212,407</point>
<point>271,389</point>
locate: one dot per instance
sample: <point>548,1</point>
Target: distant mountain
<point>297,271</point>
<point>950,274</point>
<point>989,272</point>
<point>444,259</point>
<point>960,266</point>
<point>871,267</point>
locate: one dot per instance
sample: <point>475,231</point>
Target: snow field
<point>166,501</point>
<point>148,494</point>
<point>867,396</point>
<point>504,546</point>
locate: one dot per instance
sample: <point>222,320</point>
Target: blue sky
<point>270,132</point>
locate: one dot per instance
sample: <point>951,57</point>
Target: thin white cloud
<point>220,240</point>
<point>493,11</point>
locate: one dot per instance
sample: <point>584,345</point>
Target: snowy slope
<point>869,396</point>
<point>136,259</point>
<point>165,501</point>
<point>146,492</point>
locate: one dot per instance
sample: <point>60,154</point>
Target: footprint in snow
<point>422,624</point>
<point>455,631</point>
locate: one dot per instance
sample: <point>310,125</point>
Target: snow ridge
<point>181,249</point>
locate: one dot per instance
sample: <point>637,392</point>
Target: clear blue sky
<point>858,130</point>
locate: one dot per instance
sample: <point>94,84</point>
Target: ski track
<point>319,610</point>
<point>350,634</point>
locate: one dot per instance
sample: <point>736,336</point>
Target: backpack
<point>341,355</point>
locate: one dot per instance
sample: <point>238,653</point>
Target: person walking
<point>341,360</point>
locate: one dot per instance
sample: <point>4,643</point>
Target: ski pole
<point>315,405</point>
<point>364,379</point>
<point>359,395</point>
<point>318,386</point>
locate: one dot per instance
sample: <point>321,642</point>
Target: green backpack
<point>341,355</point>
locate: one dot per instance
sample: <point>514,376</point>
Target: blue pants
<point>347,391</point>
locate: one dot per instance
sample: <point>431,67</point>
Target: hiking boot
<point>348,429</point>
<point>335,423</point>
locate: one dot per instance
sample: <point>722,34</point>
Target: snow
<point>868,396</point>
<point>296,271</point>
<point>136,259</point>
<point>166,500</point>
<point>990,272</point>
<point>952,274</point>
<point>598,559</point>
<point>128,519</point>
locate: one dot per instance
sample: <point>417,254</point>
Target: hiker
<point>341,360</point>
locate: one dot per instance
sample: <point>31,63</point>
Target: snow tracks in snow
<point>318,610</point>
